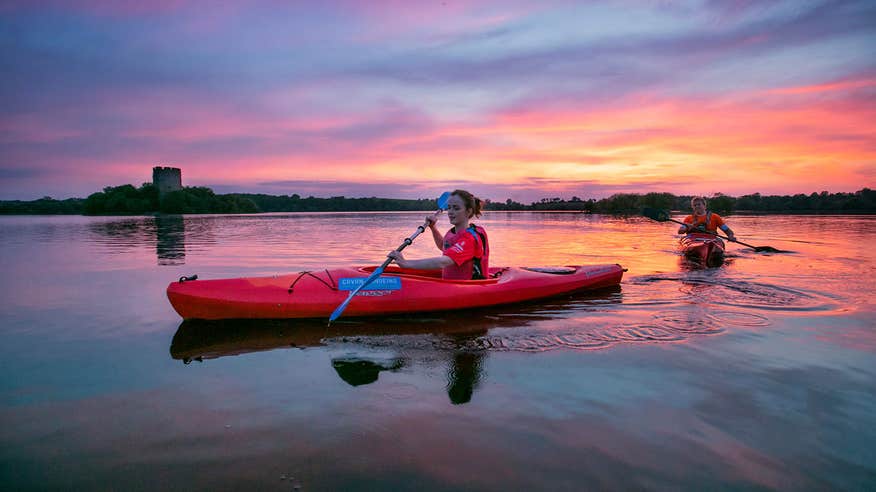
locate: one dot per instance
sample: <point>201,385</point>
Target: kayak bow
<point>702,248</point>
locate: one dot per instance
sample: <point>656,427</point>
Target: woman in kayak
<point>465,248</point>
<point>704,221</point>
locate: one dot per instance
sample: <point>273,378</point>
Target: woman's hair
<point>697,199</point>
<point>471,202</point>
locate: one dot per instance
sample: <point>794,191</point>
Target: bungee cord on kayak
<point>332,285</point>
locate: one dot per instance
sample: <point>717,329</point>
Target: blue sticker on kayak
<point>380,283</point>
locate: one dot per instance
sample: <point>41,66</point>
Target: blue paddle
<point>442,204</point>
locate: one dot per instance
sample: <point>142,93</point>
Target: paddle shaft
<point>376,273</point>
<point>716,234</point>
<point>663,216</point>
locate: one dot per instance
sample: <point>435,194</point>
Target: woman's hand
<point>431,221</point>
<point>398,258</point>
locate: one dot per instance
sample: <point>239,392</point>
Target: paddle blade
<point>442,200</point>
<point>768,249</point>
<point>656,214</point>
<point>340,309</point>
<point>759,249</point>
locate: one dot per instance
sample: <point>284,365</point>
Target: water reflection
<point>464,371</point>
<point>466,330</point>
<point>170,246</point>
<point>689,263</point>
<point>166,232</point>
<point>463,339</point>
<point>464,375</point>
<point>197,340</point>
<point>357,371</point>
<point>122,235</point>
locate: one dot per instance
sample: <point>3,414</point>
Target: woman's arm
<point>437,237</point>
<point>434,263</point>
<point>687,226</point>
<point>432,220</point>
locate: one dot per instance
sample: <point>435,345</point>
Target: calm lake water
<point>759,374</point>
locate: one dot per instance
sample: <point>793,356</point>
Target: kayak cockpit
<point>433,274</point>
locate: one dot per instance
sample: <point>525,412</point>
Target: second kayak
<point>315,294</point>
<point>702,248</point>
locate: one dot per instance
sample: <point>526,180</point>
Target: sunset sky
<point>405,99</point>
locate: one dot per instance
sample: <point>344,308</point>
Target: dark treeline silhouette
<point>294,203</point>
<point>128,200</point>
<point>862,201</point>
<point>122,200</point>
<point>44,206</point>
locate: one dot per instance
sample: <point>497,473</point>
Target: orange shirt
<point>714,221</point>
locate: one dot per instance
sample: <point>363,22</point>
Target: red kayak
<point>317,293</point>
<point>703,248</point>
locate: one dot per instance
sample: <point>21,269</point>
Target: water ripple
<point>537,332</point>
<point>737,318</point>
<point>526,339</point>
<point>709,289</point>
<point>685,323</point>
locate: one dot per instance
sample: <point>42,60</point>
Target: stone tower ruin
<point>166,179</point>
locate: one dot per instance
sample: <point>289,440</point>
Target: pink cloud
<point>838,86</point>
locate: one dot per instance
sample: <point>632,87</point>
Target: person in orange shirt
<point>465,247</point>
<point>704,221</point>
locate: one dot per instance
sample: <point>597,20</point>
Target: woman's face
<point>456,211</point>
<point>699,207</point>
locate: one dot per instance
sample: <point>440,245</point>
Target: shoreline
<point>585,212</point>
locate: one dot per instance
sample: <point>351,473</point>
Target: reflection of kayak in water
<point>204,340</point>
<point>200,339</point>
<point>316,294</point>
<point>702,248</point>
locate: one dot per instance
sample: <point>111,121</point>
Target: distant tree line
<point>122,200</point>
<point>128,200</point>
<point>294,203</point>
<point>862,201</point>
<point>201,200</point>
<point>44,206</point>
